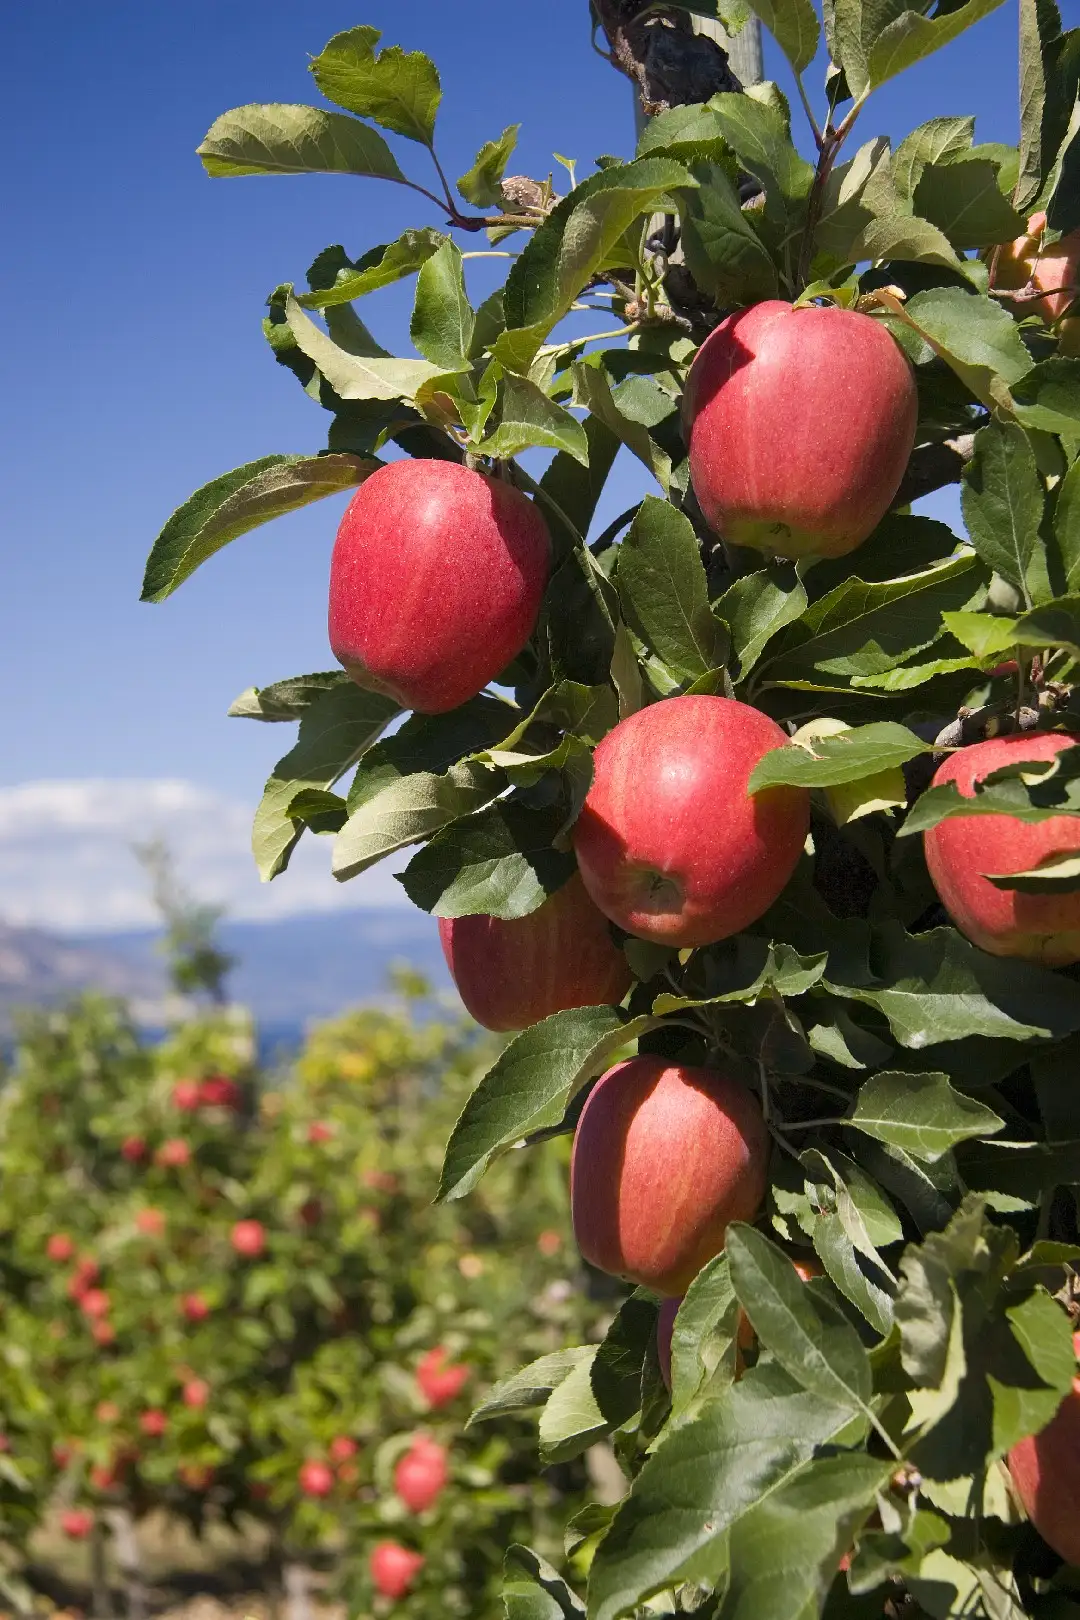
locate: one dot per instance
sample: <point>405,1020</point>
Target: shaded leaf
<point>498,862</point>
<point>407,810</point>
<point>1002,499</point>
<point>920,1112</point>
<point>279,138</point>
<point>664,592</point>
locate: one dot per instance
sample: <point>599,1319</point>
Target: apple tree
<point>751,810</point>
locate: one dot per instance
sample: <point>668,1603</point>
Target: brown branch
<point>670,64</point>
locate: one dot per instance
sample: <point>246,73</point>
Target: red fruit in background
<point>103,1332</point>
<point>153,1422</point>
<point>342,1447</point>
<point>174,1154</point>
<point>1053,270</point>
<point>248,1238</point>
<point>1045,1469</point>
<point>440,1383</point>
<point>436,581</point>
<point>106,1476</point>
<point>670,844</point>
<point>665,1157</point>
<point>961,851</point>
<point>394,1568</point>
<point>799,424</point>
<point>512,974</point>
<point>5,1444</point>
<point>150,1222</point>
<point>316,1479</point>
<point>133,1149</point>
<point>421,1475</point>
<point>186,1095</point>
<point>195,1307</point>
<point>60,1248</point>
<point>76,1523</point>
<point>95,1303</point>
<point>107,1412</point>
<point>311,1211</point>
<point>319,1131</point>
<point>63,1451</point>
<point>549,1243</point>
<point>196,1476</point>
<point>195,1393</point>
<point>218,1091</point>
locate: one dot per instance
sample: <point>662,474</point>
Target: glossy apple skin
<point>669,843</point>
<point>665,1157</point>
<point>799,424</point>
<point>1037,927</point>
<point>1045,1469</point>
<point>1052,270</point>
<point>436,581</point>
<point>512,974</point>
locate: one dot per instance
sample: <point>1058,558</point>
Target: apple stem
<point>828,149</point>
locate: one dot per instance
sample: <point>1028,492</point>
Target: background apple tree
<point>846,1457</point>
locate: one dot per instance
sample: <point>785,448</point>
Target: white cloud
<point>66,860</point>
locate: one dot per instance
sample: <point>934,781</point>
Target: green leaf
<point>972,334</point>
<point>985,634</point>
<point>964,199</point>
<point>748,969</point>
<point>1044,1334</point>
<point>837,1254</point>
<point>849,756</point>
<point>794,27</point>
<point>574,242</point>
<point>912,36</point>
<point>592,389</point>
<point>530,1086</point>
<point>396,89</point>
<point>531,1385</point>
<point>279,138</point>
<point>383,265</point>
<point>482,184</point>
<point>238,501</point>
<point>571,1420</point>
<point>1002,500</point>
<point>284,700</point>
<point>620,1360</point>
<point>1032,103</point>
<point>575,488</point>
<point>532,1590</point>
<point>528,419</point>
<point>921,1113</point>
<point>759,136</point>
<point>1048,398</point>
<point>905,237</point>
<point>927,1302</point>
<point>723,252</point>
<point>757,607</point>
<point>937,140</point>
<point>702,1479</point>
<point>442,319</point>
<point>813,1343</point>
<point>1067,526</point>
<point>497,863</point>
<point>354,376</point>
<point>335,730</point>
<point>664,592</point>
<point>704,1336</point>
<point>407,810</point>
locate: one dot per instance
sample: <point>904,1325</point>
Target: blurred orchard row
<point>228,1298</point>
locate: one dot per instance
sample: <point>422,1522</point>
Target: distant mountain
<point>38,968</point>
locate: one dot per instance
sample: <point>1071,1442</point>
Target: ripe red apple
<point>1052,270</point>
<point>394,1569</point>
<point>194,1307</point>
<point>665,1156</point>
<point>60,1248</point>
<point>319,1131</point>
<point>1046,1472</point>
<point>436,581</point>
<point>439,1382</point>
<point>670,844</point>
<point>800,424</point>
<point>153,1423</point>
<point>248,1238</point>
<point>150,1222</point>
<point>133,1149</point>
<point>549,1243</point>
<point>77,1523</point>
<point>195,1393</point>
<point>174,1154</point>
<point>421,1475</point>
<point>342,1447</point>
<point>512,974</point>
<point>218,1091</point>
<point>316,1479</point>
<point>186,1095</point>
<point>95,1303</point>
<point>103,1332</point>
<point>961,851</point>
<point>106,1476</point>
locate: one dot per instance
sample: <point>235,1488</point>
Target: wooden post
<point>744,50</point>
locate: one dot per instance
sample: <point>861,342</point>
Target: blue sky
<point>136,369</point>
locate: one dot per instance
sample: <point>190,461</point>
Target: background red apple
<point>248,1238</point>
<point>1046,1472</point>
<point>1053,270</point>
<point>150,1222</point>
<point>342,1447</point>
<point>665,1156</point>
<point>394,1568</point>
<point>60,1247</point>
<point>438,1381</point>
<point>800,424</point>
<point>195,1393</point>
<point>436,580</point>
<point>512,974</point>
<point>186,1096</point>
<point>195,1308</point>
<point>133,1148</point>
<point>316,1479</point>
<point>959,852</point>
<point>421,1475</point>
<point>77,1523</point>
<point>173,1154</point>
<point>670,844</point>
<point>153,1423</point>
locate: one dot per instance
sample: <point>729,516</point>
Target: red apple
<point>799,423</point>
<point>218,1091</point>
<point>194,1307</point>
<point>133,1149</point>
<point>440,1383</point>
<point>150,1222</point>
<point>1053,270</point>
<point>512,974</point>
<point>77,1523</point>
<point>195,1393</point>
<point>436,581</point>
<point>549,1243</point>
<point>670,844</point>
<point>316,1479</point>
<point>173,1154</point>
<point>106,1476</point>
<point>107,1412</point>
<point>248,1238</point>
<point>186,1095</point>
<point>665,1156</point>
<point>1045,1469</point>
<point>394,1569</point>
<point>342,1447</point>
<point>319,1131</point>
<point>153,1423</point>
<point>421,1474</point>
<point>95,1303</point>
<point>103,1332</point>
<point>961,851</point>
<point>196,1476</point>
<point>60,1248</point>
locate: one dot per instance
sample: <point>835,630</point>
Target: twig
<point>809,111</point>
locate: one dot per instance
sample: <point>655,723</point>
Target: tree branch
<point>670,64</point>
